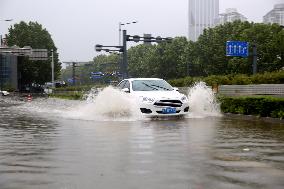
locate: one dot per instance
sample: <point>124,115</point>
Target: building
<point>202,14</point>
<point>276,15</point>
<point>231,15</point>
<point>8,72</point>
<point>10,76</point>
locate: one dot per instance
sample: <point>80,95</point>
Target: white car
<point>156,97</point>
<point>4,93</point>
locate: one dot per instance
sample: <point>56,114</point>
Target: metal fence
<point>247,90</point>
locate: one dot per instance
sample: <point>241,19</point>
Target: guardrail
<point>247,90</point>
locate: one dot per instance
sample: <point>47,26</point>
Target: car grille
<point>161,112</point>
<point>168,103</point>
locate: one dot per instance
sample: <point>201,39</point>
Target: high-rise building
<point>276,15</point>
<point>231,15</point>
<point>202,14</point>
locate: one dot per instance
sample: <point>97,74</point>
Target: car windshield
<point>151,85</point>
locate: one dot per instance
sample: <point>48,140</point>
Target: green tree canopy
<point>211,47</point>
<point>206,56</point>
<point>34,35</point>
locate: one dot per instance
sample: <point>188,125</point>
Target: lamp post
<point>119,29</point>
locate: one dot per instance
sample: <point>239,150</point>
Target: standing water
<point>104,143</point>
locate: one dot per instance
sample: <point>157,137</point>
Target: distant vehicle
<point>156,97</point>
<point>4,93</point>
<point>56,84</point>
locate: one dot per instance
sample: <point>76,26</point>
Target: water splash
<point>110,104</point>
<point>202,101</point>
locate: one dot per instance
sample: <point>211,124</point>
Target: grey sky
<point>77,25</point>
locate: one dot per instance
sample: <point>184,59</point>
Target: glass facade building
<point>202,14</point>
<point>8,71</point>
<point>276,15</point>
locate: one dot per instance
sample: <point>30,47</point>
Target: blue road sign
<point>70,80</point>
<point>96,75</point>
<point>237,48</point>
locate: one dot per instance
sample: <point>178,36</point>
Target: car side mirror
<point>126,90</point>
<point>175,88</point>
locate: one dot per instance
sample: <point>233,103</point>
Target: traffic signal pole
<point>124,52</point>
<point>123,48</point>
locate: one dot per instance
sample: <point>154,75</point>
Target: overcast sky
<point>77,25</point>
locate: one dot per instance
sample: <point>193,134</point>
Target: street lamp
<point>119,29</point>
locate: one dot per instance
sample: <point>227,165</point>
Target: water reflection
<point>45,151</point>
<point>248,154</point>
<point>25,147</point>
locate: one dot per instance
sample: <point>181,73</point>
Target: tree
<point>207,56</point>
<point>34,35</point>
<point>267,38</point>
<point>139,60</point>
<point>211,48</point>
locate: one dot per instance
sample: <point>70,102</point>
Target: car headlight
<point>147,99</point>
<point>184,99</point>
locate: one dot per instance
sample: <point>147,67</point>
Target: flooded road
<point>105,142</point>
<point>42,145</point>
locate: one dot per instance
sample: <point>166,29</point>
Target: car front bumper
<point>151,110</point>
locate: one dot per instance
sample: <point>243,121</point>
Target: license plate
<point>168,110</point>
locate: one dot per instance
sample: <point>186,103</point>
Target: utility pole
<point>119,33</point>
<point>52,67</point>
<point>73,72</point>
<point>125,63</point>
<point>254,56</point>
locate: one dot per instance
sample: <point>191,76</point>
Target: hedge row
<point>240,79</point>
<point>78,88</point>
<point>259,106</point>
<point>69,96</point>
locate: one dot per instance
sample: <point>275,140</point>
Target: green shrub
<point>239,79</point>
<point>78,88</point>
<point>69,96</point>
<point>260,106</point>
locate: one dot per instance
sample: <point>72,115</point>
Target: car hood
<point>159,95</point>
